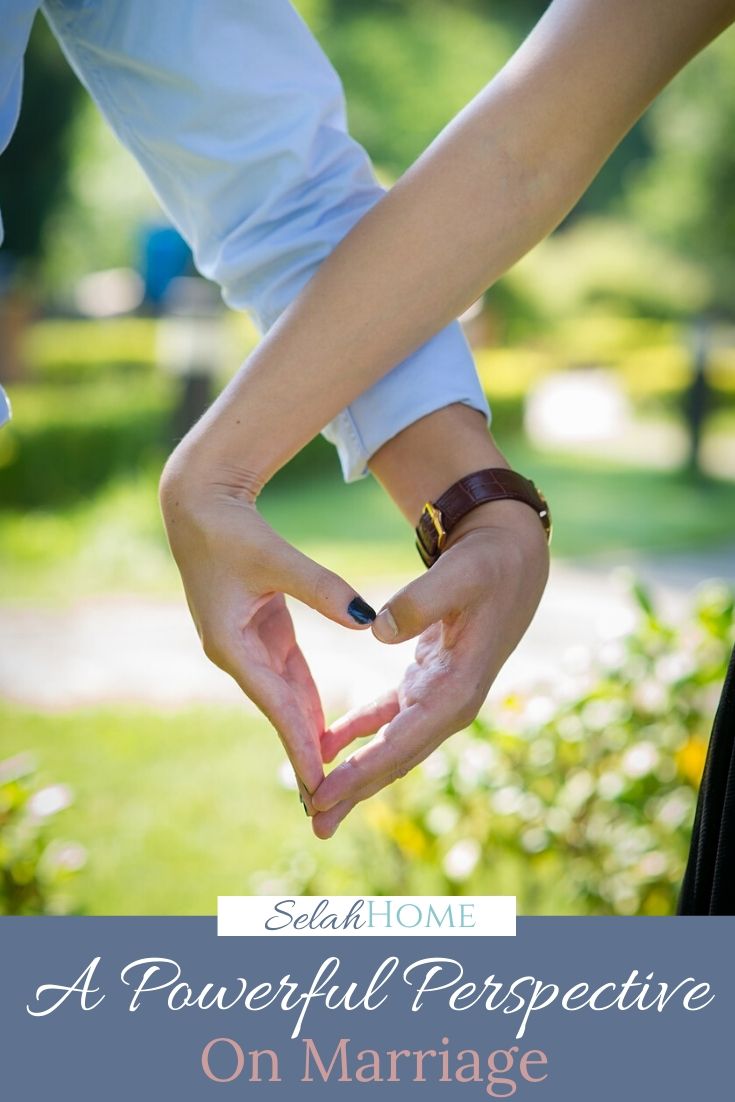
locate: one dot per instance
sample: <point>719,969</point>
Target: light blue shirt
<point>238,120</point>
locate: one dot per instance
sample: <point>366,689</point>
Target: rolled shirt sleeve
<point>238,120</point>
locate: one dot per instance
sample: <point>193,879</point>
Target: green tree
<point>409,65</point>
<point>407,68</point>
<point>685,195</point>
<point>34,169</point>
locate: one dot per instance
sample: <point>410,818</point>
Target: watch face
<point>5,411</point>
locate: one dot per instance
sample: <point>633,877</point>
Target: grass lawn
<point>172,808</point>
<point>113,540</point>
<point>177,808</point>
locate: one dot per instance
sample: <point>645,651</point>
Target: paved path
<point>128,649</point>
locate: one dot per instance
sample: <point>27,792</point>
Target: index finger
<point>294,725</point>
<point>401,745</point>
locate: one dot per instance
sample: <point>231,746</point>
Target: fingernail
<point>360,611</point>
<point>305,797</point>
<point>385,627</point>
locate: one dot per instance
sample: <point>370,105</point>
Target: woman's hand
<point>469,611</point>
<point>236,569</point>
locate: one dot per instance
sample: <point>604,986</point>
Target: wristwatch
<point>440,517</point>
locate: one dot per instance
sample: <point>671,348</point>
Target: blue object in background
<point>238,119</point>
<point>165,257</point>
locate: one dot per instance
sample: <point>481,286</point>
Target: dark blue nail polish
<point>360,611</point>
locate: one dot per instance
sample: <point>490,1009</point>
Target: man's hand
<point>235,570</point>
<point>469,611</point>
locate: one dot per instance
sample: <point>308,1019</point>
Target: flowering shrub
<point>35,870</point>
<point>576,797</point>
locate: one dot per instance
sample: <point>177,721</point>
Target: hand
<point>469,611</point>
<point>235,569</point>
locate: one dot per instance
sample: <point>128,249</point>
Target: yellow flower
<point>513,702</point>
<point>691,758</point>
<point>408,836</point>
<point>380,816</point>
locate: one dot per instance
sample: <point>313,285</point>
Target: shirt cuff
<point>440,373</point>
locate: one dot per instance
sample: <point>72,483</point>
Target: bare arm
<point>498,179</point>
<point>495,182</point>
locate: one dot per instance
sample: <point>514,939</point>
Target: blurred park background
<point>133,778</point>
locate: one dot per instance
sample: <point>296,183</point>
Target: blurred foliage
<point>651,362</point>
<point>578,798</point>
<point>92,389</point>
<point>34,169</point>
<point>407,69</point>
<point>93,423</point>
<point>69,191</point>
<point>585,788</point>
<point>101,221</point>
<point>112,541</point>
<point>610,266</point>
<point>65,350</point>
<point>409,65</point>
<point>170,804</point>
<point>684,195</point>
<point>69,440</point>
<point>71,350</point>
<point>658,243</point>
<point>36,870</point>
<point>93,406</point>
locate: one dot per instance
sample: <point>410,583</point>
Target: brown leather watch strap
<point>494,484</point>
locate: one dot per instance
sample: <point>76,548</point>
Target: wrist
<point>427,457</point>
<point>205,465</point>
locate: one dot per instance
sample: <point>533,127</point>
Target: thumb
<point>426,600</point>
<point>319,588</point>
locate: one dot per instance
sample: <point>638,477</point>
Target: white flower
<point>610,785</point>
<point>530,807</point>
<point>640,760</point>
<point>674,667</point>
<point>507,801</point>
<point>651,695</point>
<point>674,809</point>
<point>477,760</point>
<point>540,710</point>
<point>47,801</point>
<point>599,714</point>
<point>534,840</point>
<point>441,818</point>
<point>571,728</point>
<point>541,752</point>
<point>558,820</point>
<point>436,766</point>
<point>460,861</point>
<point>70,856</point>
<point>653,865</point>
<point>577,790</point>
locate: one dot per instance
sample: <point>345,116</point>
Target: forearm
<point>496,181</point>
